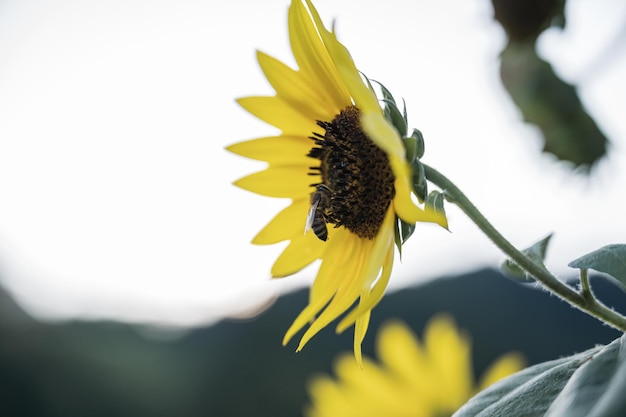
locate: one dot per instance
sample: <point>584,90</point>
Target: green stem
<point>587,304</point>
<point>585,288</point>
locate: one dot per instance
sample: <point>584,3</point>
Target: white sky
<point>115,188</point>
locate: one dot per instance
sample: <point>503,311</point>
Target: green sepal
<point>587,384</point>
<point>410,146</point>
<point>397,237</point>
<point>536,252</point>
<point>387,96</point>
<point>610,259</point>
<point>420,185</point>
<point>435,201</point>
<point>414,148</point>
<point>418,138</point>
<point>404,114</point>
<point>391,111</point>
<point>402,232</point>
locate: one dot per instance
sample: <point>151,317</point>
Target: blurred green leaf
<point>610,259</point>
<point>536,252</point>
<point>523,21</point>
<point>552,105</point>
<point>588,384</point>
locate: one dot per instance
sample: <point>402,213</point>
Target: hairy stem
<point>585,288</point>
<point>589,305</point>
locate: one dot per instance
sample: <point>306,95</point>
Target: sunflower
<point>343,166</point>
<point>432,379</point>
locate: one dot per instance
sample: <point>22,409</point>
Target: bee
<point>316,217</point>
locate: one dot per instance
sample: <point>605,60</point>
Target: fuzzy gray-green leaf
<point>597,388</point>
<point>589,384</point>
<point>536,252</point>
<point>610,259</point>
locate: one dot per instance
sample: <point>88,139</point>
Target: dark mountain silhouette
<point>239,368</point>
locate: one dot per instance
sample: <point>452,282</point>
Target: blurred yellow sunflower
<point>432,379</point>
<point>343,166</point>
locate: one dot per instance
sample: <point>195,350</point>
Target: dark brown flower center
<point>356,177</point>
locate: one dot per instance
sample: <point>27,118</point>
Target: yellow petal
<point>295,88</point>
<point>371,391</point>
<point>337,263</point>
<point>312,56</point>
<point>360,328</point>
<point>373,298</point>
<point>408,211</point>
<point>449,352</point>
<point>378,251</point>
<point>349,287</point>
<point>304,318</point>
<point>277,112</point>
<point>327,397</point>
<point>363,97</point>
<point>383,134</point>
<point>282,181</point>
<point>277,150</point>
<point>387,138</point>
<point>400,350</point>
<point>286,225</point>
<point>301,251</point>
<point>381,257</point>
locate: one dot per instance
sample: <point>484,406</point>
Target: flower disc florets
<point>356,174</point>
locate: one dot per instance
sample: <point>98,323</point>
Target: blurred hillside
<point>239,368</point>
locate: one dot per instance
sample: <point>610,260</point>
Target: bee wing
<point>310,217</point>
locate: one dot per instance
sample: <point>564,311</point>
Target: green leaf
<point>536,252</point>
<point>588,384</point>
<point>552,105</point>
<point>610,259</point>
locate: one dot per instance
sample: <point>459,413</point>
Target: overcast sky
<point>116,195</point>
